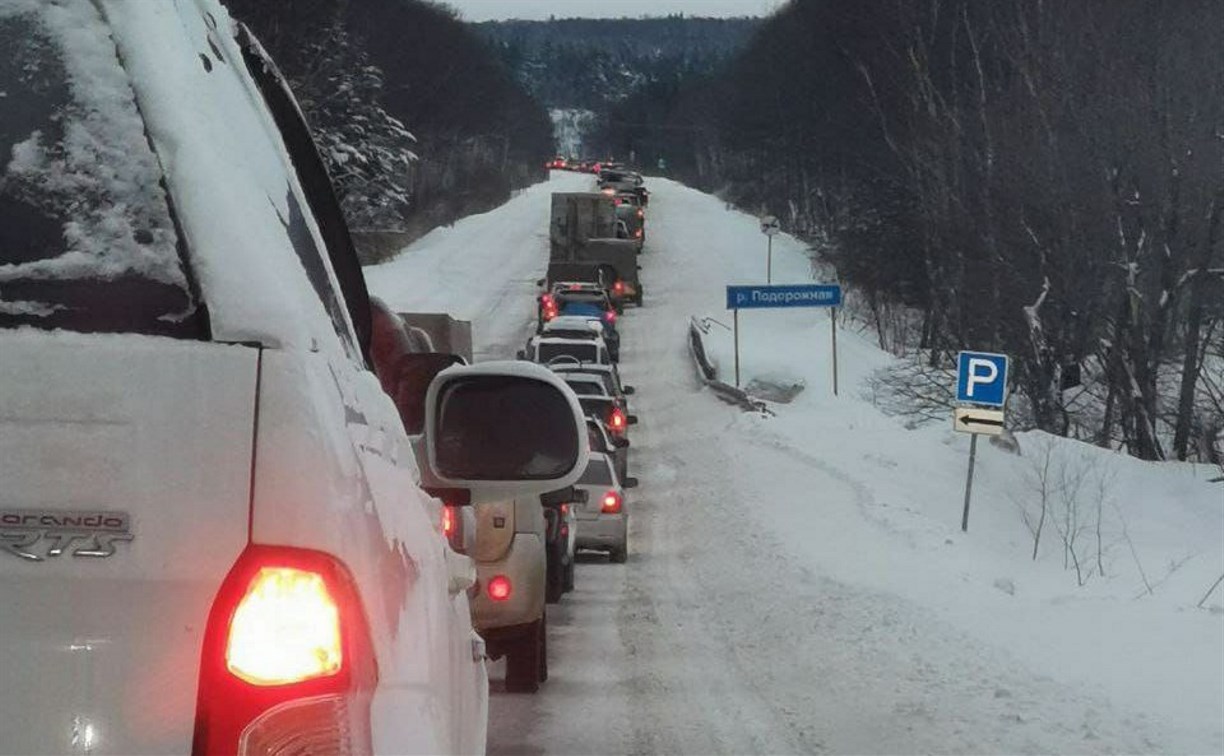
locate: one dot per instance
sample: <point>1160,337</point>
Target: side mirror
<point>501,430</point>
<point>628,390</point>
<point>632,420</point>
<point>629,483</point>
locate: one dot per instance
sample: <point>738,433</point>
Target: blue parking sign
<point>981,378</point>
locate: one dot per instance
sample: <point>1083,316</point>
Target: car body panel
<point>102,655</point>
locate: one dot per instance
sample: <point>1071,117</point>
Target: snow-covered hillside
<point>799,582</point>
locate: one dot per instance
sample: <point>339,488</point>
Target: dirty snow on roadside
<point>799,582</point>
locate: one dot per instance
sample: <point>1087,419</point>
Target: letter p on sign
<point>981,378</point>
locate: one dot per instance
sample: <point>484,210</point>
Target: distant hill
<point>591,63</point>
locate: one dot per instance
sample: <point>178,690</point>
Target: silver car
<point>603,521</point>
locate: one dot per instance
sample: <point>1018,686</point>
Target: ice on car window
<point>87,239</point>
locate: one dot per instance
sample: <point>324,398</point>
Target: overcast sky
<point>486,10</point>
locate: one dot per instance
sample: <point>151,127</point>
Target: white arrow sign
<point>981,421</point>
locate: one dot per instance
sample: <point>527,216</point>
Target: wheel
<point>544,648</point>
<point>554,582</point>
<point>569,576</point>
<point>619,555</point>
<point>523,662</point>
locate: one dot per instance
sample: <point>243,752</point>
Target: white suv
<point>213,535</point>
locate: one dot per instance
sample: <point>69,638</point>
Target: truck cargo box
<point>439,332</point>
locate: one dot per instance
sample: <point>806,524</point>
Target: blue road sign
<point>981,378</point>
<point>802,295</point>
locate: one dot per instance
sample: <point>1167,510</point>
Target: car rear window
<point>596,438</point>
<point>586,388</point>
<point>596,473</point>
<point>87,236</point>
<point>549,351</point>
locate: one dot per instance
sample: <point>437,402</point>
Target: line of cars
<point>578,339</point>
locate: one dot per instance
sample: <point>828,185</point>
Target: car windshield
<point>87,238</point>
<point>597,473</point>
<point>548,351</point>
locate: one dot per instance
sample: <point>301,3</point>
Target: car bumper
<point>606,531</point>
<point>524,564</point>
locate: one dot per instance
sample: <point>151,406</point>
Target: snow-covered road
<point>769,601</point>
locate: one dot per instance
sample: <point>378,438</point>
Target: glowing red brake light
<point>448,521</point>
<point>285,630</point>
<point>619,287</point>
<point>610,317</point>
<point>641,213</point>
<point>637,234</point>
<point>287,665</point>
<point>499,588</point>
<point>616,419</point>
<point>611,503</point>
<point>564,509</point>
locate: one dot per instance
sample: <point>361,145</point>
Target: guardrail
<point>707,373</point>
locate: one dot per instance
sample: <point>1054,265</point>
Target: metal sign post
<point>769,261</point>
<point>771,227</point>
<point>969,483</point>
<point>981,379</point>
<point>735,314</point>
<point>833,321</point>
<point>777,297</point>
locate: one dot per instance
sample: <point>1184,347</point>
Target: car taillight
<point>499,588</point>
<point>611,503</point>
<point>619,287</point>
<point>637,234</point>
<point>547,300</point>
<point>452,527</point>
<point>564,509</point>
<point>287,665</point>
<point>616,419</point>
<point>610,317</point>
<point>550,313</point>
<point>285,630</point>
<point>641,213</point>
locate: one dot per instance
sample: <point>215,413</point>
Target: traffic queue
<point>525,551</point>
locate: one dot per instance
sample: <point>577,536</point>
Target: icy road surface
<point>799,584</point>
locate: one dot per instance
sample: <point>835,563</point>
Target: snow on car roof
<point>236,198</point>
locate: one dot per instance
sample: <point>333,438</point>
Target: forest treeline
<point>588,63</point>
<point>418,120</point>
<point>1043,178</point>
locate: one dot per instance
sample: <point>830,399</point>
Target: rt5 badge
<point>39,535</point>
